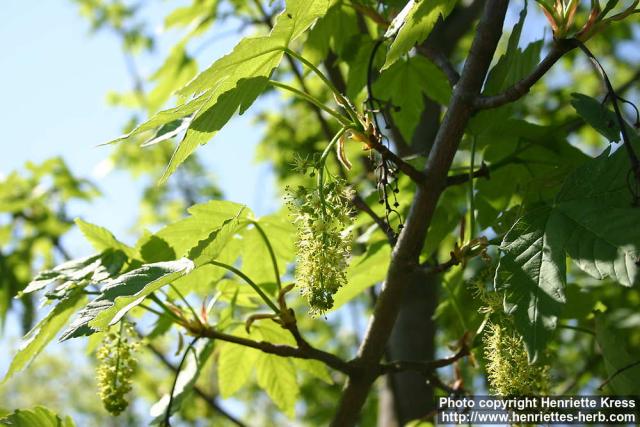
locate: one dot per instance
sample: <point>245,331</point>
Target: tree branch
<point>441,61</point>
<point>359,203</point>
<point>406,168</point>
<point>406,252</point>
<point>521,88</point>
<point>424,367</point>
<point>303,352</point>
<point>482,172</point>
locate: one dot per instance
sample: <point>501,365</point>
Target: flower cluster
<point>508,368</point>
<point>115,368</point>
<point>323,216</point>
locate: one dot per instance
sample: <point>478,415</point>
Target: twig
<point>521,88</point>
<point>424,367</point>
<point>359,203</point>
<point>441,61</point>
<point>406,168</point>
<point>482,172</point>
<point>618,372</point>
<point>305,352</point>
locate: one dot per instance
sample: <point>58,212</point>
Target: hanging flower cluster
<point>115,368</point>
<point>323,216</point>
<point>508,368</point>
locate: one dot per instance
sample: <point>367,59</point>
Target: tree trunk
<point>413,338</point>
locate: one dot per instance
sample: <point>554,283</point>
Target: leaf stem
<point>250,282</point>
<point>189,306</point>
<point>166,309</point>
<point>340,98</point>
<point>311,99</point>
<point>272,253</point>
<point>321,166</point>
<point>167,415</point>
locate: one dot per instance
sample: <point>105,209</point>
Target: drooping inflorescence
<point>115,368</point>
<point>323,218</point>
<point>508,368</point>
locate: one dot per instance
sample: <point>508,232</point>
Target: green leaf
<point>314,368</point>
<point>414,24</point>
<point>183,235</point>
<point>41,334</point>
<point>332,32</point>
<point>597,116</point>
<point>209,248</point>
<point>596,204</point>
<point>78,272</point>
<point>532,275</point>
<point>164,117</point>
<point>102,239</point>
<point>124,293</point>
<point>234,81</point>
<point>36,417</point>
<point>617,357</point>
<point>222,104</point>
<point>277,376</point>
<point>196,359</point>
<point>235,364</point>
<point>176,71</point>
<point>256,261</point>
<point>364,271</point>
<point>424,78</point>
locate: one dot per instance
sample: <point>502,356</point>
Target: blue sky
<point>54,78</point>
<point>55,75</point>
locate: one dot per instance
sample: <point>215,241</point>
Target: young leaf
<point>124,293</point>
<point>532,275</point>
<point>256,260</point>
<point>209,248</point>
<point>413,25</point>
<point>235,364</point>
<point>222,104</point>
<point>102,239</point>
<point>277,376</point>
<point>234,81</point>
<point>46,329</point>
<point>314,368</point>
<point>183,235</point>
<point>79,272</point>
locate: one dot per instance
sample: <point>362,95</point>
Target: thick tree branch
<point>521,88</point>
<point>407,250</point>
